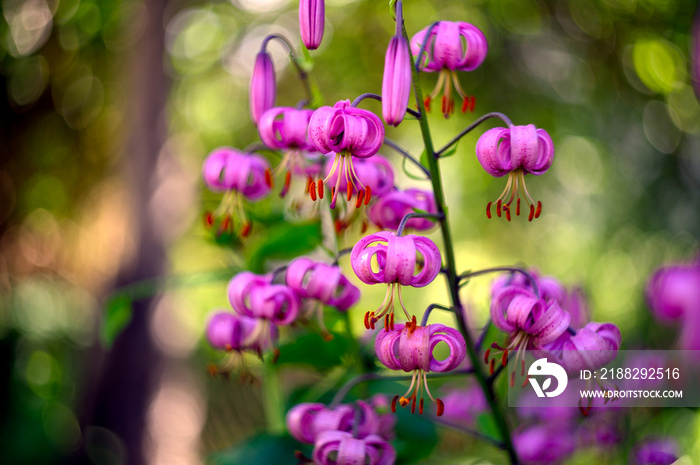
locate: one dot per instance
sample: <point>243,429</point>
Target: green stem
<point>272,393</point>
<point>452,277</point>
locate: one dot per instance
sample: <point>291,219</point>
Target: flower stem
<point>471,127</point>
<point>390,143</point>
<point>303,75</point>
<point>452,278</point>
<point>404,220</point>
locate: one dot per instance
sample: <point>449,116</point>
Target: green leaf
<point>424,159</point>
<point>409,174</point>
<point>313,350</point>
<point>283,241</point>
<point>118,316</point>
<point>415,437</point>
<point>261,449</point>
<point>451,151</point>
<point>486,424</point>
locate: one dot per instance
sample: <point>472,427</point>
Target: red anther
<point>213,370</point>
<point>517,208</point>
<point>391,321</point>
<point>225,224</point>
<point>504,358</point>
<point>367,320</point>
<point>268,178</point>
<point>498,208</point>
<point>507,210</point>
<point>327,336</point>
<point>287,182</point>
<point>320,188</point>
<point>413,404</point>
<point>404,401</point>
<point>364,227</point>
<point>338,226</point>
<point>492,366</point>
<point>412,325</point>
<point>333,192</point>
<point>472,104</point>
<point>349,191</point>
<point>228,347</point>
<point>539,209</point>
<point>494,345</point>
<point>426,103</point>
<point>465,104</point>
<point>386,323</point>
<point>525,381</point>
<point>275,355</point>
<point>246,229</point>
<point>208,219</point>
<point>360,197</point>
<point>512,379</point>
<point>371,322</point>
<point>488,210</point>
<point>532,213</point>
<point>368,194</point>
<point>440,407</point>
<point>312,190</point>
<point>309,180</point>
<point>486,355</point>
<point>444,105</point>
<point>393,403</point>
<point>420,406</point>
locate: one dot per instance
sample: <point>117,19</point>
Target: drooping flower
<point>390,209</point>
<point>341,448</point>
<point>238,175</point>
<point>345,132</point>
<point>324,283</point>
<point>254,296</point>
<point>464,405</point>
<point>396,258</point>
<point>409,348</point>
<point>396,83</point>
<point>235,334</point>
<point>673,293</point>
<point>386,418</point>
<point>309,420</point>
<point>287,129</point>
<point>515,151</point>
<point>451,47</point>
<point>656,451</point>
<point>263,85</point>
<point>311,22</point>
<point>590,348</point>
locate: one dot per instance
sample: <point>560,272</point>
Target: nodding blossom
<point>311,22</point>
<point>396,82</point>
<point>451,47</point>
<point>342,448</point>
<point>409,348</point>
<point>263,85</point>
<point>309,420</point>
<point>390,209</point>
<point>590,348</point>
<point>238,175</point>
<point>235,334</point>
<point>287,129</point>
<point>673,293</point>
<point>396,258</point>
<point>530,322</point>
<point>515,151</point>
<point>255,296</point>
<point>323,283</point>
<point>345,132</point>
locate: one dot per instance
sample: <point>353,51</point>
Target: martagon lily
<point>396,83</point>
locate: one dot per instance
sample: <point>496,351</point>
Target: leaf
<point>261,449</point>
<point>409,174</point>
<point>415,437</point>
<point>487,426</point>
<point>451,151</point>
<point>118,315</point>
<point>282,241</point>
<point>546,384</point>
<point>311,349</point>
<point>424,159</point>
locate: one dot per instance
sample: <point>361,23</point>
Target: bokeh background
<point>107,273</point>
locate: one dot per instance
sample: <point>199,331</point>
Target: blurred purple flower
<point>345,132</point>
<point>410,347</point>
<point>254,296</point>
<point>591,348</point>
<point>227,331</point>
<point>376,173</point>
<point>311,22</point>
<point>341,448</point>
<point>515,151</point>
<point>307,421</point>
<point>543,444</point>
<point>451,47</point>
<point>396,83</point>
<point>388,212</point>
<point>655,451</point>
<point>263,85</point>
<point>464,405</point>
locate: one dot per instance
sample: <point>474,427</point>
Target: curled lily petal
<point>341,448</point>
<point>594,346</point>
<point>455,343</point>
<point>300,420</point>
<point>276,303</point>
<point>344,128</point>
<point>285,128</point>
<point>227,169</point>
<point>390,209</point>
<point>457,46</point>
<point>227,331</point>
<point>501,150</point>
<point>500,303</point>
<point>239,289</point>
<point>673,291</point>
<point>385,346</point>
<point>322,282</point>
<point>396,260</point>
